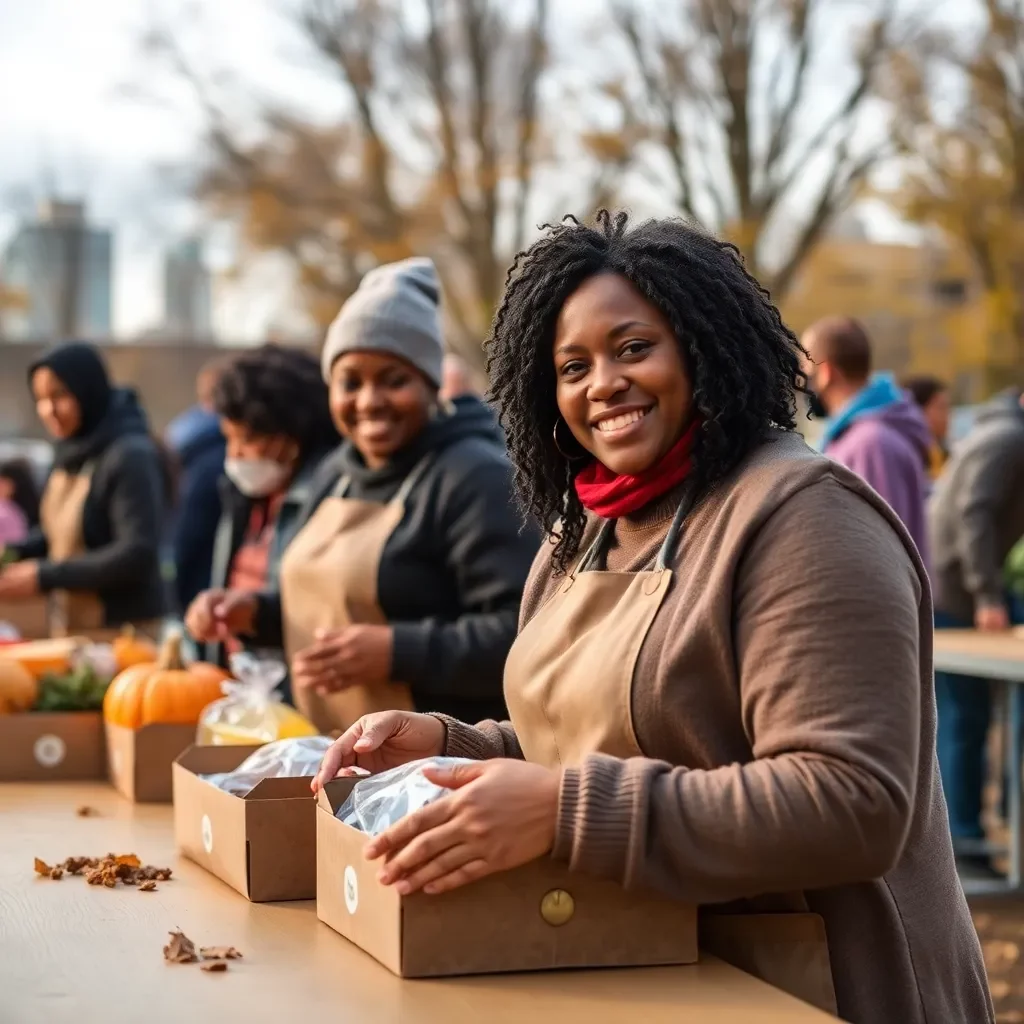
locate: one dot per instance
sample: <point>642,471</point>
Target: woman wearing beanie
<point>722,687</point>
<point>95,557</point>
<point>402,587</point>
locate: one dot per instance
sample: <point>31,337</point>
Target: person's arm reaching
<point>826,633</point>
<point>489,554</point>
<point>135,512</point>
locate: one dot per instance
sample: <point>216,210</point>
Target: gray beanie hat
<point>394,310</point>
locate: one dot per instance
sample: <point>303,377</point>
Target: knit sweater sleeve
<point>826,638</point>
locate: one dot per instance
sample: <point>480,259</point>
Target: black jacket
<point>234,521</point>
<point>452,574</point>
<point>122,522</point>
<point>976,512</point>
<point>196,439</point>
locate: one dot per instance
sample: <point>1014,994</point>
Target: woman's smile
<point>618,425</point>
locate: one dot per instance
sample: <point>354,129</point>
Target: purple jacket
<point>888,447</point>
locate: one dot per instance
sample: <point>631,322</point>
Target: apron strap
<point>414,476</point>
<point>599,548</point>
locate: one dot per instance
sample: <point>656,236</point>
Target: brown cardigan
<point>785,704</point>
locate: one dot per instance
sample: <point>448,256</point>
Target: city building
<point>56,277</point>
<point>186,291</point>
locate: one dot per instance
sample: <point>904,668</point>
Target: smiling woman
<point>721,688</point>
<point>401,586</point>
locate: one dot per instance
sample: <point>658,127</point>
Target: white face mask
<point>256,478</point>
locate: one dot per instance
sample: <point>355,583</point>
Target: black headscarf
<point>81,370</point>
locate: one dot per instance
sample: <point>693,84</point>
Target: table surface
<point>70,952</point>
<point>992,655</point>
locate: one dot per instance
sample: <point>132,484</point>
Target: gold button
<point>557,908</point>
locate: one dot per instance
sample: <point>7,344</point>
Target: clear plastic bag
<point>282,759</point>
<point>376,803</point>
<point>251,710</point>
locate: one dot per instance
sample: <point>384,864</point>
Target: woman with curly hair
<point>274,416</point>
<point>721,689</point>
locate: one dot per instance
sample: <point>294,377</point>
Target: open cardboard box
<point>262,844</point>
<point>537,917</point>
<point>57,746</point>
<point>139,761</point>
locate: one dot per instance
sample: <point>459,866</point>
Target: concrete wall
<point>163,374</point>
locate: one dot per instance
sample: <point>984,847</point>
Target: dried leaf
<point>180,949</point>
<point>57,874</point>
<point>148,887</point>
<point>85,811</point>
<point>127,860</point>
<point>219,953</point>
<point>42,868</point>
<point>214,966</point>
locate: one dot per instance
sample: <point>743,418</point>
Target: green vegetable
<point>7,557</point>
<point>80,690</point>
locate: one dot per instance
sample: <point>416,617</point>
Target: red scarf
<point>611,496</point>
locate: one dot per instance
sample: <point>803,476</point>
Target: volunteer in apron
<point>93,565</point>
<point>721,689</point>
<point>402,587</point>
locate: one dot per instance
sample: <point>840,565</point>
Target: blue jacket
<point>196,439</point>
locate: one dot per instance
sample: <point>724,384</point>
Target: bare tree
<point>764,116</point>
<point>437,149</point>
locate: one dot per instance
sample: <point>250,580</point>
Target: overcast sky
<point>66,124</point>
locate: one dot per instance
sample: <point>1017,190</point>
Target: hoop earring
<point>558,447</point>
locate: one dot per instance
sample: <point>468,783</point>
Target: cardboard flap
<point>335,793</point>
<point>200,760</point>
<point>281,789</point>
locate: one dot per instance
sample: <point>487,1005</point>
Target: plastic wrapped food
<point>376,803</point>
<point>251,710</point>
<point>282,759</point>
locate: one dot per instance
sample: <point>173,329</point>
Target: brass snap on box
<point>557,907</point>
<point>536,917</point>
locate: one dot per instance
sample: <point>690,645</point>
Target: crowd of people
<point>684,650</point>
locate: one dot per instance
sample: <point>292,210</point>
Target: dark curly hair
<point>277,390</point>
<point>744,363</point>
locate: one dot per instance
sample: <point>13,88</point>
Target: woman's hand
<point>380,741</point>
<point>19,580</point>
<point>501,814</point>
<point>341,658</point>
<point>220,614</point>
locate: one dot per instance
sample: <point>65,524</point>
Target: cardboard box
<point>537,917</point>
<point>139,761</point>
<point>31,618</point>
<point>57,746</point>
<point>262,844</point>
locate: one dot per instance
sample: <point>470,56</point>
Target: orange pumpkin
<point>18,690</point>
<point>131,649</point>
<point>165,691</point>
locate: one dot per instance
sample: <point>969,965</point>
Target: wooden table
<point>73,954</point>
<point>998,657</point>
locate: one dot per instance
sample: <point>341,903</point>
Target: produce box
<point>62,746</point>
<point>263,844</point>
<point>140,761</point>
<point>537,917</point>
<point>50,724</point>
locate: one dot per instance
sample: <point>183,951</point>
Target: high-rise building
<point>186,291</point>
<point>58,267</point>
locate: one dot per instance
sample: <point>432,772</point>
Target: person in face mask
<point>272,405</point>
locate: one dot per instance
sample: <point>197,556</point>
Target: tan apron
<point>568,687</point>
<point>328,580</point>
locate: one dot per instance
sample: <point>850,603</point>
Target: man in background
<point>976,516</point>
<point>195,438</point>
<point>873,428</point>
<point>932,397</point>
<point>459,379</point>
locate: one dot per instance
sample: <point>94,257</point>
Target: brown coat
<point>784,701</point>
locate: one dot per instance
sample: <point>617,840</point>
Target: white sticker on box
<point>207,829</point>
<point>351,885</point>
<point>49,750</point>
